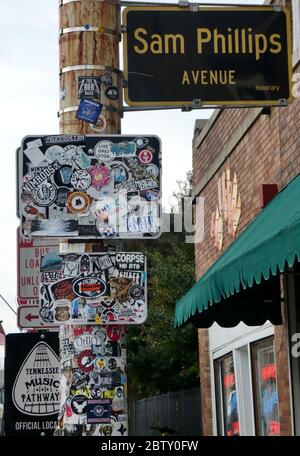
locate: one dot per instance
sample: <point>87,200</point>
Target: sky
<point>29,101</point>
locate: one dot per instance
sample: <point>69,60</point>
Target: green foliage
<point>160,357</point>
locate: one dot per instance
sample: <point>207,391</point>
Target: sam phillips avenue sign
<point>213,56</point>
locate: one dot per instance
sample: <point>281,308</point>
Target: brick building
<point>249,372</point>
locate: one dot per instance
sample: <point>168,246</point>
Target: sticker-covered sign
<point>93,289</point>
<point>90,186</point>
<point>93,382</point>
<point>32,383</point>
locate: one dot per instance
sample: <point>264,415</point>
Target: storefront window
<point>265,388</point>
<point>227,397</point>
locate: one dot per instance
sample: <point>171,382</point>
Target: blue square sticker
<point>98,411</point>
<point>89,110</point>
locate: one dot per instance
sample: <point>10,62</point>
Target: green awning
<point>243,284</point>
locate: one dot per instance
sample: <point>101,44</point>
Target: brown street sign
<point>210,56</point>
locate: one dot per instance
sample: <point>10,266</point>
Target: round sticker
<point>146,156</point>
<point>44,195</point>
<point>100,176</point>
<point>100,125</point>
<point>100,362</point>
<point>78,404</point>
<point>112,364</point>
<point>136,292</point>
<point>70,154</point>
<point>54,153</point>
<point>106,79</point>
<point>78,203</point>
<point>85,361</point>
<point>112,93</point>
<point>152,170</point>
<point>81,179</point>
<point>102,151</point>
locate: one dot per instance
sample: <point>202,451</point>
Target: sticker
<point>146,156</point>
<point>56,139</point>
<point>63,290</point>
<point>139,172</point>
<point>78,203</point>
<point>81,159</point>
<point>89,287</point>
<point>89,87</point>
<point>98,411</point>
<point>136,292</point>
<point>151,195</point>
<point>62,310</point>
<point>106,79</point>
<point>85,264</point>
<point>120,174</point>
<point>85,361</point>
<point>124,149</point>
<point>113,333</point>
<point>112,93</point>
<point>106,229</point>
<point>141,142</point>
<point>44,195</point>
<point>100,125</point>
<point>54,153</point>
<point>100,362</point>
<point>62,196</point>
<point>103,151</point>
<point>112,364</point>
<point>100,176</point>
<point>119,287</point>
<point>40,178</point>
<point>34,154</point>
<point>152,170</point>
<point>63,176</point>
<point>89,111</point>
<point>81,180</point>
<point>71,152</point>
<point>79,404</point>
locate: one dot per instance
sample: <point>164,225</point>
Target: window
<point>265,388</point>
<point>228,421</point>
<point>296,24</point>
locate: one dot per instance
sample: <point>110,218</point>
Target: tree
<point>160,357</point>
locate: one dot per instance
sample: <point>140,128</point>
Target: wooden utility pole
<point>89,46</point>
<point>89,63</point>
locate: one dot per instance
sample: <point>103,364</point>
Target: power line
<point>13,310</point>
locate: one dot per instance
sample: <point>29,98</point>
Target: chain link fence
<point>167,414</point>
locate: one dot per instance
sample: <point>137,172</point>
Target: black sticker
<point>112,93</point>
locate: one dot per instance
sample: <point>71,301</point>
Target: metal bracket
<point>282,102</point>
<point>123,29</point>
<point>124,83</point>
<point>277,8</point>
<point>196,104</point>
<point>183,4</point>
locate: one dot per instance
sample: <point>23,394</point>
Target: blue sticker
<point>98,411</point>
<point>89,111</point>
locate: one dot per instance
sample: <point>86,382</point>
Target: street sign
<point>207,56</point>
<point>93,289</point>
<point>32,381</point>
<point>29,255</point>
<point>29,317</point>
<point>90,186</point>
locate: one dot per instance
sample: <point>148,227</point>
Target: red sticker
<point>146,156</point>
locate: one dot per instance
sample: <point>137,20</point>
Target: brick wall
<point>268,153</point>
